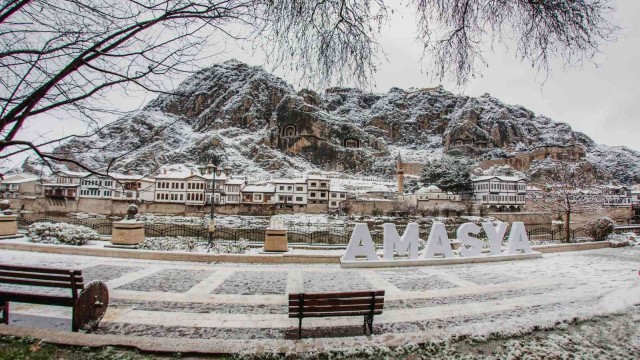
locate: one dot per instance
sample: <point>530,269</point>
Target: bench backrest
<point>42,277</point>
<point>351,303</point>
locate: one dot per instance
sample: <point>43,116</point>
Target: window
<point>299,188</point>
<point>289,188</point>
<point>333,203</point>
<point>343,195</point>
<point>323,194</point>
<point>181,196</point>
<point>333,195</point>
<point>312,194</point>
<point>182,186</point>
<point>281,187</point>
<point>257,197</point>
<point>299,198</point>
<point>313,184</point>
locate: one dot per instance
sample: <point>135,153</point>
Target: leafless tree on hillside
<point>59,57</point>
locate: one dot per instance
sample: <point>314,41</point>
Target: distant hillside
<point>264,126</point>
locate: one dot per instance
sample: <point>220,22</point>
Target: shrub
<point>169,243</point>
<point>61,233</point>
<point>376,212</point>
<point>226,247</point>
<point>599,228</point>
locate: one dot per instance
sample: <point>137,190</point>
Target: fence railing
<point>315,235</point>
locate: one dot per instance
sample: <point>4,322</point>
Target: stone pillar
<point>127,233</point>
<point>8,225</point>
<point>276,241</point>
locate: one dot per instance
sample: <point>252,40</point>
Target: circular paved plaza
<point>193,307</point>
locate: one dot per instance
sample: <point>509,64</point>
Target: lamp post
<point>212,168</point>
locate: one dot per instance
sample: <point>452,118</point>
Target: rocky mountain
<point>264,126</point>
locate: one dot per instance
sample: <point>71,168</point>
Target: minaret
<point>400,173</point>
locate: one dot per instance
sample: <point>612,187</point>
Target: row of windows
<point>170,185</point>
<point>342,195</point>
<point>501,186</point>
<point>172,197</point>
<point>94,192</point>
<point>322,184</point>
<point>322,194</point>
<point>519,198</point>
<point>95,182</point>
<point>195,186</point>
<point>290,187</point>
<point>195,196</point>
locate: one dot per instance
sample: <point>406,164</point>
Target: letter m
<point>408,243</point>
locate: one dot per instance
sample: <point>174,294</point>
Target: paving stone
<point>168,280</point>
<point>483,277</point>
<point>467,299</point>
<point>411,280</point>
<point>107,272</point>
<point>335,281</point>
<point>253,283</point>
<point>186,332</point>
<point>189,307</point>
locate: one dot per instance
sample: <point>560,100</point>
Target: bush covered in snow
<point>168,243</point>
<point>599,228</point>
<point>227,247</point>
<point>61,233</point>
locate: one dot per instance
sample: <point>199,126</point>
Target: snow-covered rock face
<point>265,127</point>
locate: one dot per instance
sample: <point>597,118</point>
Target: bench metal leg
<point>5,313</point>
<point>74,328</point>
<point>299,328</point>
<point>368,324</point>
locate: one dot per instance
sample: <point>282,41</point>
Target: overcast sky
<point>598,99</point>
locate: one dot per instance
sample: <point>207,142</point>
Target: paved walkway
<point>244,307</point>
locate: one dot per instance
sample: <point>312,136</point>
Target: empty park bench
<point>353,303</point>
<point>49,286</point>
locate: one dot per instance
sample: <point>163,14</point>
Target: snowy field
<point>244,307</point>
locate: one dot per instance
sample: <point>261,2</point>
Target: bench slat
<point>36,298</point>
<point>33,269</point>
<point>323,302</point>
<point>330,314</point>
<point>39,276</point>
<point>43,283</point>
<point>338,295</point>
<point>331,308</point>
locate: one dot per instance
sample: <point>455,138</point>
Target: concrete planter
<point>276,241</point>
<point>8,225</point>
<point>127,233</point>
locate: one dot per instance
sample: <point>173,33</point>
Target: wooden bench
<point>27,283</point>
<point>353,303</point>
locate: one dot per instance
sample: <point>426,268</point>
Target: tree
<point>568,188</point>
<point>448,173</point>
<point>59,57</point>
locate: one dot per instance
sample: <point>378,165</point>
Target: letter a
<point>495,236</point>
<point>438,242</point>
<point>408,243</point>
<point>518,239</point>
<point>474,245</point>
<point>360,244</point>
